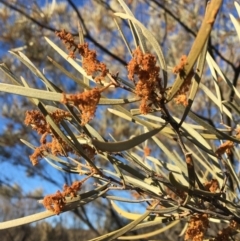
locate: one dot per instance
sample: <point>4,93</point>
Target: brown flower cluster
<point>197,226</point>
<point>86,102</point>
<point>57,147</point>
<point>180,68</point>
<point>90,63</point>
<point>226,147</point>
<point>56,202</point>
<point>212,186</point>
<point>144,67</point>
<point>38,122</point>
<point>147,151</point>
<point>181,95</point>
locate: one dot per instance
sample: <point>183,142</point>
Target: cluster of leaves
<point>199,181</point>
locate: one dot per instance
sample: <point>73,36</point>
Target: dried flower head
<point>197,226</point>
<point>181,99</point>
<point>180,68</point>
<point>73,189</point>
<point>38,153</point>
<point>226,147</point>
<point>56,147</point>
<point>147,151</point>
<point>38,122</point>
<point>90,63</point>
<point>144,67</point>
<point>86,102</point>
<point>56,202</point>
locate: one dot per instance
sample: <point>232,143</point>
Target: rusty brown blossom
<point>148,80</point>
<point>90,63</point>
<point>38,122</point>
<point>86,102</point>
<point>147,151</point>
<point>197,226</point>
<point>57,147</point>
<point>226,147</point>
<point>56,202</point>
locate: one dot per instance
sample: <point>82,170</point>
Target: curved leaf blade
<point>124,145</point>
